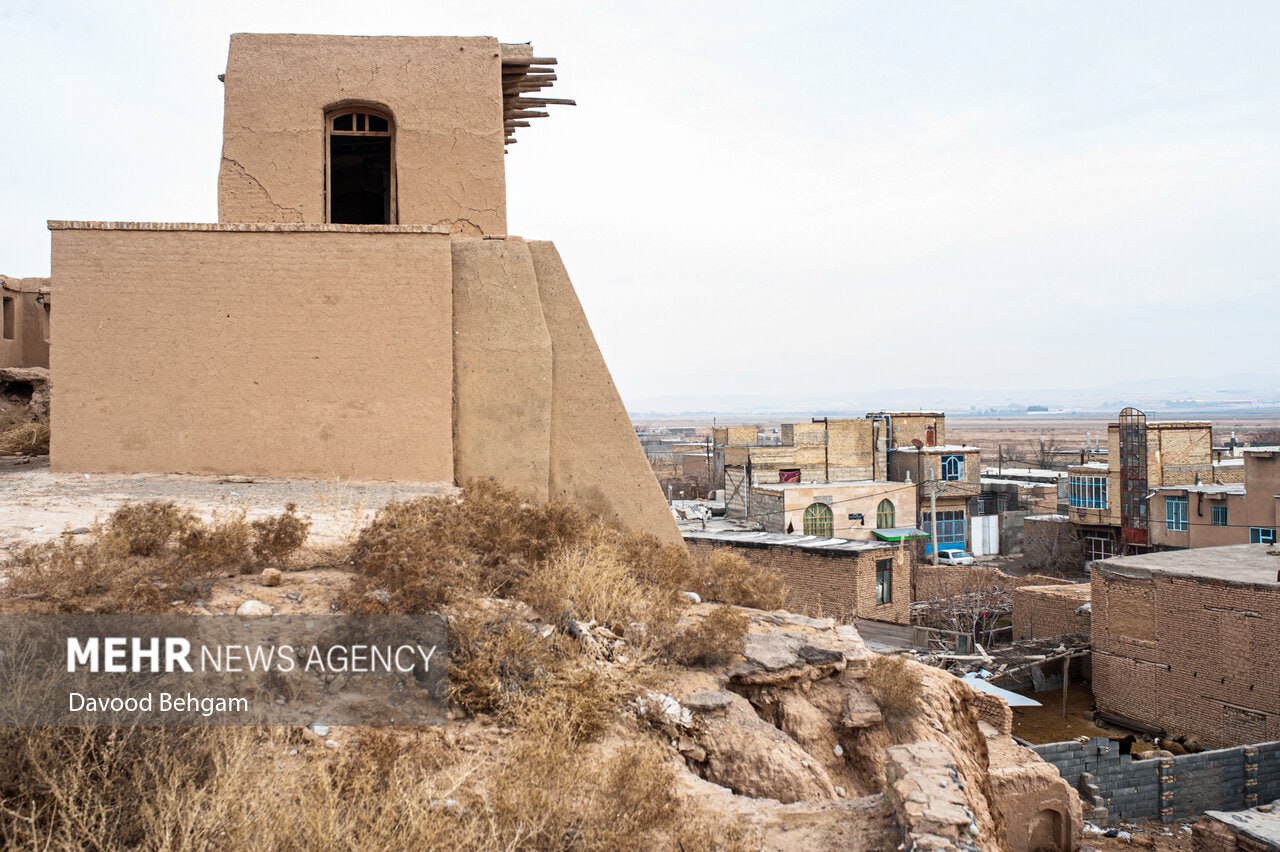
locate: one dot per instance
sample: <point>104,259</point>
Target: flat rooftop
<point>1229,488</point>
<point>888,485</point>
<point>1243,564</point>
<point>945,448</point>
<point>765,539</point>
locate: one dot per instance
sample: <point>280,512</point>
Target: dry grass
<point>144,556</point>
<point>23,435</point>
<point>569,771</point>
<point>895,684</point>
<point>713,641</point>
<point>243,788</point>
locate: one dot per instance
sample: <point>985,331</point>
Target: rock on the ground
<point>254,609</point>
<point>271,577</point>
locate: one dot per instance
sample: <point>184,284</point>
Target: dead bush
<point>729,578</point>
<point>223,544</point>
<point>714,640</point>
<point>895,684</point>
<point>593,583</point>
<point>277,539</point>
<point>145,529</point>
<point>23,435</point>
<point>423,551</point>
<point>246,788</point>
<point>493,662</point>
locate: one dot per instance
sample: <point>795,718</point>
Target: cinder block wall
<point>1169,788</point>
<point>833,583</point>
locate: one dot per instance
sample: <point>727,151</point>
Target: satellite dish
<point>917,443</point>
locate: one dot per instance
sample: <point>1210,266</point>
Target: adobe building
<point>1184,642</point>
<point>359,310</point>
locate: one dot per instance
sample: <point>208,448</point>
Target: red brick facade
<point>840,584</point>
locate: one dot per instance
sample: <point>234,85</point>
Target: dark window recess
<point>9,310</point>
<point>377,124</point>
<point>360,180</point>
<point>343,122</point>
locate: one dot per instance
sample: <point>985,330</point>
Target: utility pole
<point>933,517</point>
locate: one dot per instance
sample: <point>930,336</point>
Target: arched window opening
<point>361,180</point>
<point>818,520</point>
<point>884,514</point>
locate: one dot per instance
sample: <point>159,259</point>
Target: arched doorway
<point>360,176</point>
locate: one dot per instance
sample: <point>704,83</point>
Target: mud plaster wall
<point>30,345</point>
<point>214,351</point>
<point>444,93</point>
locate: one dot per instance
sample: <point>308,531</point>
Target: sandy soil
<point>37,504</point>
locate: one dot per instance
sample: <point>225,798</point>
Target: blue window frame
<point>1219,516</point>
<point>951,532</point>
<point>1087,492</point>
<point>1175,514</point>
<point>952,468</point>
<point>1262,535</point>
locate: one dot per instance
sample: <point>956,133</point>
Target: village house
<point>836,578</point>
<point>359,310</point>
<point>1184,642</point>
<point>1220,514</point>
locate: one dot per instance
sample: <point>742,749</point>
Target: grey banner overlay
<point>284,670</point>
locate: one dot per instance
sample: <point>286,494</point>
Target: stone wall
<point>1166,788</point>
<point>839,584</point>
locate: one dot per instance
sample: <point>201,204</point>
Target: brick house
<point>1184,641</point>
<point>844,580</point>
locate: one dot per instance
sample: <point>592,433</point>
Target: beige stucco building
<point>1212,515</point>
<point>359,310</point>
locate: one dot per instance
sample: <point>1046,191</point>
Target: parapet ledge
<point>256,227</point>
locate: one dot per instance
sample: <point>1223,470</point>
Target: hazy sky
<point>776,198</point>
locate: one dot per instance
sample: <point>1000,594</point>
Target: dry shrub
<point>239,788</point>
<point>223,544</point>
<point>142,557</point>
<point>895,684</point>
<point>23,435</point>
<point>145,529</point>
<point>732,579</point>
<point>428,551</point>
<point>277,539</point>
<point>492,662</point>
<point>714,640</point>
<point>593,583</point>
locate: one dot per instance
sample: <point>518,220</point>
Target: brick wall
<point>840,584</point>
<point>1168,788</point>
<point>947,580</point>
<point>1045,612</point>
<point>1209,643</point>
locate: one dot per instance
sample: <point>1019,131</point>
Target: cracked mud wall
<point>445,95</point>
<point>29,346</point>
<point>319,354</point>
